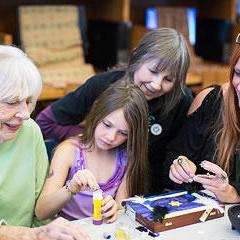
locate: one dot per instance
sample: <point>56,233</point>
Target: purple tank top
<point>80,205</point>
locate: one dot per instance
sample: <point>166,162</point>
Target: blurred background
<point>73,39</point>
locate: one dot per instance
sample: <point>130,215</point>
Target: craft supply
<point>159,213</point>
<point>182,209</point>
<point>107,235</point>
<point>205,215</point>
<point>97,205</point>
<point>144,229</point>
<point>122,232</point>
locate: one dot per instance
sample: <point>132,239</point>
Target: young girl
<point>111,154</point>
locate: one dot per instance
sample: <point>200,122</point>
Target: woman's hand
<point>217,182</point>
<point>109,209</point>
<point>182,170</point>
<point>82,180</point>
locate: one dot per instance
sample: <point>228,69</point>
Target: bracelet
<point>2,222</point>
<point>70,193</point>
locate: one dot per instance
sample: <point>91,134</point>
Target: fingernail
<point>190,180</point>
<point>201,164</point>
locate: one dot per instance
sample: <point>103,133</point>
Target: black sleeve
<point>181,112</point>
<point>194,139</point>
<point>171,125</point>
<point>72,108</point>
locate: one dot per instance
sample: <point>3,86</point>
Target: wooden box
<point>183,209</point>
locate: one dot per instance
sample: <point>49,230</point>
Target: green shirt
<point>23,169</point>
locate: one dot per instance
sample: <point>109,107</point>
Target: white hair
<point>19,77</point>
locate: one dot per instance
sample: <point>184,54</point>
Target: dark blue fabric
<point>50,146</point>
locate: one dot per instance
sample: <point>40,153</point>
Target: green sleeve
<point>42,165</point>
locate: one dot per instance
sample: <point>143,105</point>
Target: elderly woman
<point>23,157</point>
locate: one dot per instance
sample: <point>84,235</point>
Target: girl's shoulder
<point>65,153</point>
<point>69,146</point>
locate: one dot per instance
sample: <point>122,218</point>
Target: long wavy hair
<point>126,96</point>
<point>228,135</point>
<point>169,48</point>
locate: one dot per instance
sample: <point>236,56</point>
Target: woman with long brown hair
<point>209,142</point>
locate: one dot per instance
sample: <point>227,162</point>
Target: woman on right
<point>210,139</point>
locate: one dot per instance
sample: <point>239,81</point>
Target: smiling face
<point>236,80</point>
<point>12,115</point>
<point>152,82</point>
<point>112,131</point>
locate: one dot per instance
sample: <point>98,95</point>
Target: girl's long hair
<point>228,134</point>
<point>126,96</point>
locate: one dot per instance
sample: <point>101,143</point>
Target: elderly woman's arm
<point>60,229</point>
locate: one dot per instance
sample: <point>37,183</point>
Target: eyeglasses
<point>238,39</point>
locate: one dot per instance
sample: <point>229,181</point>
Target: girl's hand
<point>82,180</point>
<point>109,209</point>
<point>182,170</point>
<point>217,182</point>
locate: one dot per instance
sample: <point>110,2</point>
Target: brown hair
<point>228,134</point>
<point>131,99</point>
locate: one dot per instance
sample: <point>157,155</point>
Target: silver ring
<point>223,177</point>
<point>179,160</point>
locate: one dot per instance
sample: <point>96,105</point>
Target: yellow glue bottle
<point>97,205</point>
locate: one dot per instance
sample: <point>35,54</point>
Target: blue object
<point>50,146</point>
<point>144,229</point>
<point>107,235</point>
<point>152,22</point>
<point>191,16</point>
<point>153,234</point>
<point>151,18</point>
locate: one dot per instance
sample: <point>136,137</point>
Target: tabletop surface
<point>217,229</point>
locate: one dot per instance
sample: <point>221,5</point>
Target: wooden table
<point>217,229</point>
